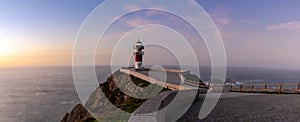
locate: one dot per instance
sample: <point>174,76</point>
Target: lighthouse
<point>138,52</point>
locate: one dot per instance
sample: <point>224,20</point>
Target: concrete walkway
<point>172,82</point>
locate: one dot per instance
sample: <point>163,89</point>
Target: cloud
<point>221,16</point>
<point>222,21</point>
<point>137,21</point>
<point>292,25</point>
<point>131,8</point>
<point>249,21</point>
<point>152,12</point>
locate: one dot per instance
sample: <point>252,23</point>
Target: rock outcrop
<point>229,80</point>
<point>118,94</point>
<point>109,92</point>
<point>107,100</point>
<point>78,114</point>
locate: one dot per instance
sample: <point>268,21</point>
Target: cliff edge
<point>106,101</point>
<point>78,114</point>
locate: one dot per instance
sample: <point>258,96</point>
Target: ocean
<point>45,94</point>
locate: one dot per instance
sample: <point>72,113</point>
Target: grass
<point>129,106</point>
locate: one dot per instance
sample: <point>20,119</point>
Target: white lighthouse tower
<point>138,52</point>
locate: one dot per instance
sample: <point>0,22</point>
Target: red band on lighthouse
<point>138,55</point>
<point>139,58</point>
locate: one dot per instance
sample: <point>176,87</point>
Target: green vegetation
<point>139,82</point>
<point>97,103</point>
<point>91,120</point>
<point>121,100</point>
<point>192,77</point>
<point>132,107</point>
<point>115,116</point>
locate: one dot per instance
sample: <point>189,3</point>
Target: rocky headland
<point>109,104</point>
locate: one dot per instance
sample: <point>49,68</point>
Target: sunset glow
<point>5,49</point>
<point>33,33</point>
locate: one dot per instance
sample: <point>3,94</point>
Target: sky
<point>255,33</point>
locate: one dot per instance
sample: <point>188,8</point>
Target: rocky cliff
<point>78,114</point>
<point>107,100</point>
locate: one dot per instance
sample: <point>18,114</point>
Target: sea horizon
<point>40,85</point>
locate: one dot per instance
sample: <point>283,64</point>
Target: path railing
<point>153,80</point>
<point>266,88</point>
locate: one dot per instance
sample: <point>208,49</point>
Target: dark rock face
<point>229,80</point>
<point>78,114</point>
<point>107,100</point>
<point>110,90</point>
